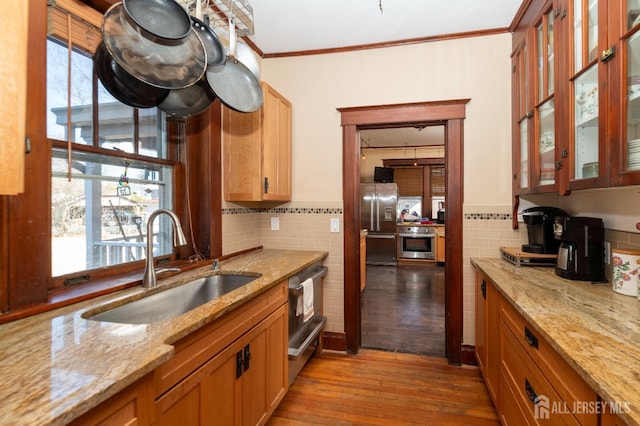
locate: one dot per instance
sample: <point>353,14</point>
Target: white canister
<point>624,272</point>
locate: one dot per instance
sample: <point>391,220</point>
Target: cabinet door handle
<point>608,54</point>
<point>238,364</point>
<point>531,339</point>
<point>247,357</point>
<point>531,393</point>
<point>266,185</point>
<point>483,288</point>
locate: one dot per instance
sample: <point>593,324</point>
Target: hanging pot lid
<point>168,64</point>
<point>162,18</point>
<point>216,54</point>
<point>189,101</point>
<point>122,86</point>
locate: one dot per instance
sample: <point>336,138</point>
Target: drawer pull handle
<point>531,393</point>
<point>531,339</point>
<point>247,357</point>
<point>239,364</point>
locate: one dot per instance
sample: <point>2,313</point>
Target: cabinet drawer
<point>511,414</point>
<point>567,383</point>
<point>529,384</point>
<point>198,347</point>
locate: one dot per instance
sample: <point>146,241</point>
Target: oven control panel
<point>427,230</point>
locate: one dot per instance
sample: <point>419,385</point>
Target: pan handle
<point>232,38</point>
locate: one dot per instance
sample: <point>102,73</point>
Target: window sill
<point>96,288</point>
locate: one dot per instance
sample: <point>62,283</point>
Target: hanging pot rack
<point>219,12</point>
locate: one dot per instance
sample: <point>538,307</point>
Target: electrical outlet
<point>607,252</point>
<point>335,225</point>
<point>275,223</point>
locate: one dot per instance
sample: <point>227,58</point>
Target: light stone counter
<point>596,330</point>
<point>57,365</point>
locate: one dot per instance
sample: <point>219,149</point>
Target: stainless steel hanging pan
<point>162,18</point>
<point>189,101</point>
<point>233,83</point>
<point>122,86</point>
<point>168,64</point>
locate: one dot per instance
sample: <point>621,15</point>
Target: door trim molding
<point>450,114</point>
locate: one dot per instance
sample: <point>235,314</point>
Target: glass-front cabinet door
<point>626,65</point>
<point>587,165</point>
<point>544,176</point>
<point>521,116</point>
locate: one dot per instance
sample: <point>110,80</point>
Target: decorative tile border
<point>487,216</point>
<point>283,210</point>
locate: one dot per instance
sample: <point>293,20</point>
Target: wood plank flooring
<point>385,388</point>
<point>403,309</point>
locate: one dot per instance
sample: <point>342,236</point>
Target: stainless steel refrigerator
<point>378,214</point>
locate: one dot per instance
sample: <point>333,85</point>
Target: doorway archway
<point>450,114</point>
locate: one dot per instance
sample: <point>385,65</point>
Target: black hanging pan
<point>233,83</point>
<point>212,45</point>
<point>122,86</point>
<point>189,101</point>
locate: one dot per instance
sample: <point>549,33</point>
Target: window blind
<point>71,18</point>
<point>437,181</point>
<point>409,180</point>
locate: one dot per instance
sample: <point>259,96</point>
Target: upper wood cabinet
<point>257,151</point>
<point>13,104</point>
<point>534,104</point>
<point>576,96</point>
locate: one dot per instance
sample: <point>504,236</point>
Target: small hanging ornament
<point>123,183</point>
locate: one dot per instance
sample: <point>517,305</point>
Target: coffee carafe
<point>581,252</point>
<point>539,222</point>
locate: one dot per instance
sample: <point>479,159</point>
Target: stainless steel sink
<point>174,301</point>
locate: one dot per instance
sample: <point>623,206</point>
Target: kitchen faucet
<point>149,278</point>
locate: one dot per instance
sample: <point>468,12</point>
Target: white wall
<point>476,68</point>
<point>471,68</point>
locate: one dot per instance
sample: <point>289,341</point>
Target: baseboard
<point>468,355</point>
<point>334,341</point>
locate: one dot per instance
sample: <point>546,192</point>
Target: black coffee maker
<point>581,252</point>
<point>539,222</point>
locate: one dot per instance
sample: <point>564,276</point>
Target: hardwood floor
<point>403,309</point>
<point>383,388</point>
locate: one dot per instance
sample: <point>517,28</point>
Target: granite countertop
<point>57,365</point>
<point>596,330</point>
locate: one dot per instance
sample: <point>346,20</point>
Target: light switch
<point>335,225</point>
<point>275,223</point>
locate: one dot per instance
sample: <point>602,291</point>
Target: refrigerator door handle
<point>371,210</point>
<point>377,213</point>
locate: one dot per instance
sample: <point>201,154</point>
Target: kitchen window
<point>110,166</point>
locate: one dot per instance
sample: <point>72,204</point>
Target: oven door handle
<point>417,235</point>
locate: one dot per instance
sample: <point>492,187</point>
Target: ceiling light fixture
<point>415,156</point>
<point>362,154</point>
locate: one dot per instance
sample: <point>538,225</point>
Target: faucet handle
<point>214,265</point>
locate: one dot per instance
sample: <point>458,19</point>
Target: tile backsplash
<point>307,226</point>
<point>302,226</point>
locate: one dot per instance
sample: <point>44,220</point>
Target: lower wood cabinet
<point>487,354</point>
<point>131,406</point>
<point>233,371</point>
<point>241,385</point>
<point>440,245</point>
<point>529,382</point>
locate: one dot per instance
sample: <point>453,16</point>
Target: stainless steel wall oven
<point>416,242</point>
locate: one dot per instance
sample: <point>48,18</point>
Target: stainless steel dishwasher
<point>304,336</point>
